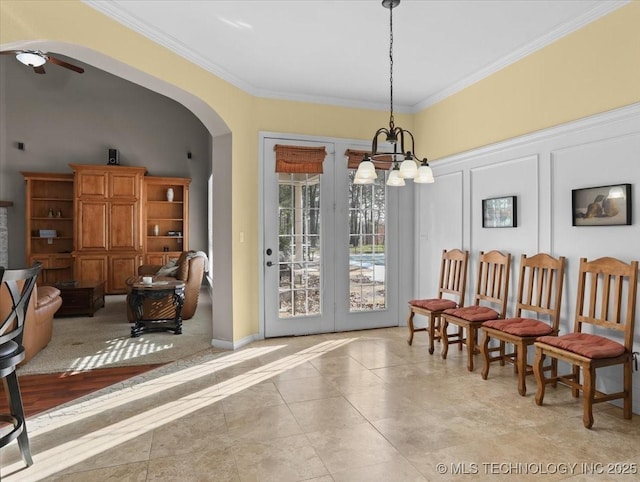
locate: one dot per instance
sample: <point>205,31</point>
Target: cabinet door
<point>92,225</point>
<point>124,186</point>
<point>91,267</point>
<point>121,267</point>
<point>89,184</point>
<point>155,258</point>
<point>123,232</point>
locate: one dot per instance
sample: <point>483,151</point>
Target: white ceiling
<point>337,51</point>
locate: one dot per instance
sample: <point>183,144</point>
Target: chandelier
<point>404,163</point>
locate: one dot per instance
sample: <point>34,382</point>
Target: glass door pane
<point>367,245</point>
<point>299,252</point>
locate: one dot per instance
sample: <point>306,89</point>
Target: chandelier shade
<point>404,162</point>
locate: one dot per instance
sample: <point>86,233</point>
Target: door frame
<point>406,217</point>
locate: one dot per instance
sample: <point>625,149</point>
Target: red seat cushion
<point>521,326</point>
<point>585,344</point>
<point>436,304</point>
<point>474,313</point>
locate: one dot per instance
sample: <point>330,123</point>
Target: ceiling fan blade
<point>10,52</point>
<point>66,65</point>
<point>39,70</point>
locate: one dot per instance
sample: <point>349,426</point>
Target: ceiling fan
<point>37,58</point>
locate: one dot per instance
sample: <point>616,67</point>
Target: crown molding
<point>138,25</point>
<point>577,23</point>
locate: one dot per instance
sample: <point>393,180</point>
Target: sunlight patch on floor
<point>74,413</point>
<point>71,453</point>
<point>119,349</point>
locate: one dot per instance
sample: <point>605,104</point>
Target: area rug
<point>104,340</point>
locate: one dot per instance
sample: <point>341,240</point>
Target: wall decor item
<point>500,212</point>
<point>601,205</point>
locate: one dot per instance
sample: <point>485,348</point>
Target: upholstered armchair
<point>190,268</point>
<point>38,326</point>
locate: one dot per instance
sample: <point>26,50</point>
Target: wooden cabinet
<point>99,224</point>
<point>49,221</point>
<point>166,218</point>
<point>108,212</point>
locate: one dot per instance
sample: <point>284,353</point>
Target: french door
<point>329,249</point>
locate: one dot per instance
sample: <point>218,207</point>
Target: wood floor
<point>43,392</point>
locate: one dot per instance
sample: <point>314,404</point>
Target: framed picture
<point>500,212</point>
<point>602,205</point>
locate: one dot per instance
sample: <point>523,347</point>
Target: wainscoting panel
<point>541,169</point>
<point>440,227</point>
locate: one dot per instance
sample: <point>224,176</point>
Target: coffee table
<point>80,297</point>
<point>156,291</point>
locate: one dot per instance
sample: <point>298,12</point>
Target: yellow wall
<point>592,70</point>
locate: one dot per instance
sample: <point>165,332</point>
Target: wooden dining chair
<point>606,303</point>
<point>539,292</point>
<point>492,288</point>
<point>451,290</point>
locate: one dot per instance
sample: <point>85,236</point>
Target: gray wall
<point>63,117</point>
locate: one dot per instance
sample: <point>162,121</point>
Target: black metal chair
<point>19,283</point>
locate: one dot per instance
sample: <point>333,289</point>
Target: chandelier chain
<point>391,120</point>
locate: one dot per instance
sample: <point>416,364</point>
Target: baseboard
<point>234,345</point>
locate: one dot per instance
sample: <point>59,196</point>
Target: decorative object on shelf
<point>50,212</point>
<point>47,233</point>
<point>59,213</point>
<point>404,164</point>
<point>170,194</point>
<point>602,205</point>
<point>156,230</point>
<point>500,212</point>
<point>114,157</point>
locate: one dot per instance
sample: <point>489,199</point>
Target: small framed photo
<point>500,212</point>
<point>602,205</point>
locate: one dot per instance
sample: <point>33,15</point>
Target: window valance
<point>298,159</point>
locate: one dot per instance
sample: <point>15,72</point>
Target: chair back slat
<point>540,286</point>
<point>492,284</point>
<point>453,274</point>
<point>607,289</point>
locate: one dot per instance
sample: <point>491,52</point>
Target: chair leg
<point>410,326</point>
<point>576,378</point>
<point>432,332</point>
<point>588,392</point>
<point>15,406</point>
<point>521,362</point>
<point>444,326</point>
<point>484,349</point>
<point>628,394</point>
<point>538,371</point>
<point>472,334</point>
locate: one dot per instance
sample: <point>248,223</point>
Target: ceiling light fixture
<point>32,58</point>
<point>404,163</point>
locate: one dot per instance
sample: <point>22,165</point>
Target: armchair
<point>38,327</point>
<point>190,268</point>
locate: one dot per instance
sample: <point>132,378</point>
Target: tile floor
<point>357,406</point>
